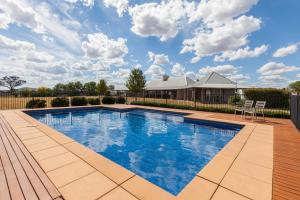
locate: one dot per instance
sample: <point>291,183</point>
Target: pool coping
<point>240,170</point>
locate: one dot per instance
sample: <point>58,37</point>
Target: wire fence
<point>276,106</point>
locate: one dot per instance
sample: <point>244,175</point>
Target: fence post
<point>166,97</point>
<point>70,102</point>
<point>195,98</point>
<point>126,98</point>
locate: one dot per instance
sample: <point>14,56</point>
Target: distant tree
<point>102,87</point>
<point>74,88</point>
<point>26,92</point>
<point>295,86</point>
<point>90,88</point>
<point>11,82</point>
<point>44,92</point>
<point>136,82</point>
<point>59,89</point>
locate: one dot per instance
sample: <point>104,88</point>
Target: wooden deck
<point>21,178</point>
<point>286,166</point>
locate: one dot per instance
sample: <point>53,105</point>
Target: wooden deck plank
<point>27,189</point>
<point>12,181</point>
<point>4,191</point>
<point>36,183</point>
<point>49,186</point>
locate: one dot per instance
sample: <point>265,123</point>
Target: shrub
<point>120,100</point>
<point>275,98</point>
<point>108,100</point>
<point>94,101</point>
<point>235,100</point>
<point>60,102</point>
<point>79,101</point>
<point>229,109</point>
<point>36,103</point>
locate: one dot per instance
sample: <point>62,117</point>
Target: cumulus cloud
<point>273,68</point>
<point>162,20</point>
<point>232,35</point>
<point>108,51</point>
<point>155,72</point>
<point>178,70</point>
<point>221,69</point>
<point>88,3</point>
<point>285,51</point>
<point>218,12</point>
<point>241,53</point>
<point>239,78</point>
<point>158,59</point>
<point>120,5</point>
<point>17,45</point>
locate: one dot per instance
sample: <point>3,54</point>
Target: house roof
<point>215,80</point>
<point>171,84</point>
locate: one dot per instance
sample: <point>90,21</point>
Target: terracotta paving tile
<point>57,161</point>
<point>69,173</point>
<point>112,170</point>
<point>41,146</point>
<point>145,190</point>
<point>118,194</point>
<point>37,140</point>
<point>224,194</point>
<point>216,168</point>
<point>247,186</point>
<point>30,135</point>
<point>89,187</point>
<point>198,188</point>
<point>50,152</point>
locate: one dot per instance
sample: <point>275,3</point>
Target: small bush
<point>60,102</point>
<point>108,100</point>
<point>235,100</point>
<point>120,100</point>
<point>79,101</point>
<point>36,103</point>
<point>94,101</point>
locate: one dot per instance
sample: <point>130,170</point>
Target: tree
<point>102,87</point>
<point>11,82</point>
<point>90,88</point>
<point>295,86</point>
<point>43,92</point>
<point>74,88</point>
<point>60,89</point>
<point>136,82</point>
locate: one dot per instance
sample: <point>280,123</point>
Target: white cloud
<point>121,73</point>
<point>16,45</point>
<point>246,52</point>
<point>107,51</point>
<point>229,36</point>
<point>158,59</point>
<point>88,3</point>
<point>218,12</point>
<point>284,51</point>
<point>4,21</point>
<point>298,75</point>
<point>239,78</point>
<point>155,71</point>
<point>120,5</point>
<point>273,68</point>
<point>178,70</point>
<point>221,69</point>
<point>160,20</point>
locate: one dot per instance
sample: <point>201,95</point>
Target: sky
<point>253,42</point>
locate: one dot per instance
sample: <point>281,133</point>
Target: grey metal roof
<point>172,83</point>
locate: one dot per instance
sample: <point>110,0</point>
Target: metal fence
<point>276,106</point>
<point>295,110</point>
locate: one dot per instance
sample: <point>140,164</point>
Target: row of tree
<point>135,84</point>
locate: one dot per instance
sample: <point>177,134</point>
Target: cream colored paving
<point>241,170</point>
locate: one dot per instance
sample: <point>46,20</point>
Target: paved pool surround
<point>241,170</point>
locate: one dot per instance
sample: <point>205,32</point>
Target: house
<point>211,88</point>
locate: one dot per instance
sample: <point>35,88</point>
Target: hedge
<point>60,102</point>
<point>275,98</point>
<point>120,100</point>
<point>108,100</point>
<point>230,110</point>
<point>36,103</point>
<point>79,101</point>
<point>94,101</point>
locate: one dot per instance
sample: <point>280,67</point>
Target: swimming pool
<point>164,148</point>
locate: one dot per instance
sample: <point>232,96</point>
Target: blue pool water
<point>161,147</point>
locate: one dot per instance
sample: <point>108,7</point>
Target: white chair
<point>247,106</point>
<point>258,109</point>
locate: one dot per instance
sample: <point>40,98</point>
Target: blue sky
<point>253,42</point>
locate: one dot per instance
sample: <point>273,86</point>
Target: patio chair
<point>247,106</point>
<point>258,109</point>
